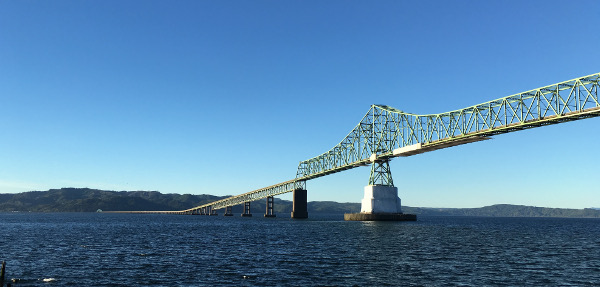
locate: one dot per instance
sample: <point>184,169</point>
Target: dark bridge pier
<point>299,208</point>
<point>247,210</point>
<point>269,212</point>
<point>228,211</point>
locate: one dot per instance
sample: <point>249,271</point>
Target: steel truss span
<point>272,190</point>
<point>385,132</point>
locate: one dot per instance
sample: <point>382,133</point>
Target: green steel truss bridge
<point>385,132</point>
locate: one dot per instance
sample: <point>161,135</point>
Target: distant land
<point>90,200</point>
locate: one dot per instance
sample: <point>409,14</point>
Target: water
<point>79,249</point>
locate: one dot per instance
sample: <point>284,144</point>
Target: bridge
<point>385,133</point>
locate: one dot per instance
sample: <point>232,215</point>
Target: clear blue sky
<point>224,97</point>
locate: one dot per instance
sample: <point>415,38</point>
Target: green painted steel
<point>385,132</point>
<point>381,173</point>
<point>384,129</point>
<point>273,190</point>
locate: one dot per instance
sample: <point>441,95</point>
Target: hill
<point>90,200</point>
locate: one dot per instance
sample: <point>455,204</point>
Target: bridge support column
<point>299,207</point>
<point>381,201</point>
<point>247,210</point>
<point>213,212</point>
<point>228,211</point>
<point>269,212</point>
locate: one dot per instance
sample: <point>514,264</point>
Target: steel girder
<point>385,129</point>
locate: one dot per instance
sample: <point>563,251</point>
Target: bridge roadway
<point>385,133</point>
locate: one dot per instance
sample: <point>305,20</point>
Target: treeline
<point>90,200</point>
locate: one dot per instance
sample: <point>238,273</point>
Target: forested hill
<point>90,200</point>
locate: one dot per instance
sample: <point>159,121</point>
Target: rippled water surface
<point>98,249</point>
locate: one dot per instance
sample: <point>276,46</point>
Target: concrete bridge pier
<point>381,201</point>
<point>299,207</point>
<point>270,203</point>
<point>228,211</point>
<point>247,212</point>
<point>213,212</point>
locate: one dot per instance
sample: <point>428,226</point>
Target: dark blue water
<point>80,249</point>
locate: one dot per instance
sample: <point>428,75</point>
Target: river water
<point>99,249</point>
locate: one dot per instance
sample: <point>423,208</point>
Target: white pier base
<point>381,199</point>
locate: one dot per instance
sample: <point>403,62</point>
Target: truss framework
<point>384,129</point>
<point>381,173</point>
<point>273,190</point>
<point>385,132</point>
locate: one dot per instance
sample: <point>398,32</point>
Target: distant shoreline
<point>91,200</point>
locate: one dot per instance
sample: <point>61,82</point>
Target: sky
<point>225,97</point>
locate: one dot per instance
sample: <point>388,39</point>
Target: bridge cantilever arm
<point>385,129</point>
